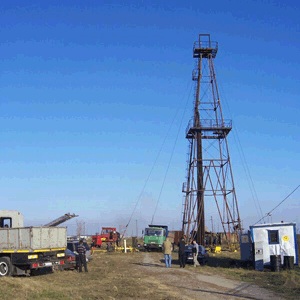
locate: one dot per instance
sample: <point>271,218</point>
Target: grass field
<point>285,282</point>
<point>118,276</point>
<point>110,276</point>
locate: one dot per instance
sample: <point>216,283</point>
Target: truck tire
<point>5,266</point>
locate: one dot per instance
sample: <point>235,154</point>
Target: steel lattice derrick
<point>209,172</point>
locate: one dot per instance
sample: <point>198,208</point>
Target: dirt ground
<point>187,284</point>
<point>135,276</point>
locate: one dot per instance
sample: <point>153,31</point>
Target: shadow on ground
<point>227,262</point>
<point>234,292</point>
<point>149,265</point>
<point>42,271</point>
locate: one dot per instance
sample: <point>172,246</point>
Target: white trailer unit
<point>265,240</point>
<point>23,249</point>
<point>32,239</point>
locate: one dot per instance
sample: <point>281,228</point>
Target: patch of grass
<point>110,276</point>
<point>49,295</point>
<point>228,264</point>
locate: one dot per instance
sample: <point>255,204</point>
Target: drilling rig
<point>209,172</point>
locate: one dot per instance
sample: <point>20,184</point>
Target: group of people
<point>167,248</point>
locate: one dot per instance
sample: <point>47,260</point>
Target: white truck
<point>23,249</point>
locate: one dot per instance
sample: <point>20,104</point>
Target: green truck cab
<point>154,237</point>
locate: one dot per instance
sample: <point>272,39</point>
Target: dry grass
<point>227,264</point>
<point>110,276</point>
<point>117,276</point>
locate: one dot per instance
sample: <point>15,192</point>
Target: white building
<point>264,240</point>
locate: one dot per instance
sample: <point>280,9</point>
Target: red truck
<point>108,235</point>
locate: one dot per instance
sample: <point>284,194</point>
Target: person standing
<point>81,256</point>
<point>195,250</point>
<point>167,247</point>
<point>181,252</point>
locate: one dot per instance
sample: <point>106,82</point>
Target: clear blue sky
<point>89,89</point>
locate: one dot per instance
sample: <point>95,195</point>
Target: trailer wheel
<point>5,266</point>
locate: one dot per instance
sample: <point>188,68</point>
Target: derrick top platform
<point>205,47</point>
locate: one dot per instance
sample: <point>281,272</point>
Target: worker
<point>118,239</point>
<point>167,247</point>
<point>110,247</point>
<point>195,250</point>
<point>214,241</point>
<point>220,238</point>
<point>81,256</point>
<point>181,252</point>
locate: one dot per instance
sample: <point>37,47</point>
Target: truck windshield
<point>154,232</point>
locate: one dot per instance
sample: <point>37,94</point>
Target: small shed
<point>264,240</point>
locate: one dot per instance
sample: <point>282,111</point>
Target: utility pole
<point>209,172</point>
<point>136,223</point>
<point>212,224</point>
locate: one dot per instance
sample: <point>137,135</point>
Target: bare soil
<point>187,283</point>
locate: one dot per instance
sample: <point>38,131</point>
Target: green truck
<point>154,237</point>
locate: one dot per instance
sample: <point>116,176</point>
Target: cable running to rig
<point>279,203</point>
<point>176,139</point>
<point>140,196</point>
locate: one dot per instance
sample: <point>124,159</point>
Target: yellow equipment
<point>216,249</point>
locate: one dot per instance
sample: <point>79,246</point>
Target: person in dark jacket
<point>181,252</point>
<point>81,256</point>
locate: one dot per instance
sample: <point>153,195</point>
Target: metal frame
<point>61,220</point>
<point>209,172</point>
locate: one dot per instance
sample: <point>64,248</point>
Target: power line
<point>279,203</point>
<point>248,174</point>
<point>176,139</point>
<point>140,196</point>
<point>243,159</point>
